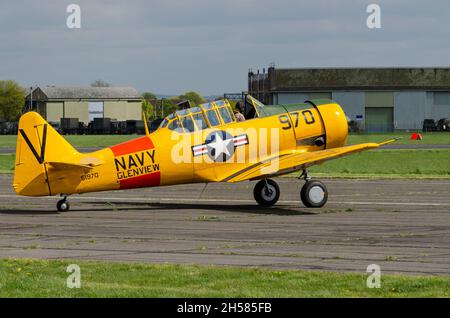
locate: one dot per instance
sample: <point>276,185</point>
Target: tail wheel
<point>63,205</point>
<point>314,194</point>
<point>266,192</point>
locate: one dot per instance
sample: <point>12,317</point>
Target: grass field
<point>43,278</point>
<point>420,163</point>
<point>6,163</point>
<point>390,163</point>
<point>385,163</point>
<point>432,138</point>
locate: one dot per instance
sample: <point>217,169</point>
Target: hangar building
<point>86,103</point>
<point>378,99</point>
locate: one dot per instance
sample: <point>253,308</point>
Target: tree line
<point>154,107</point>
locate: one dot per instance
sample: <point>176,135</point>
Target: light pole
<point>31,98</point>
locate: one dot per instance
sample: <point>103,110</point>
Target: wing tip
<point>389,141</point>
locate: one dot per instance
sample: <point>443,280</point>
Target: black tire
<point>63,205</point>
<point>314,194</point>
<point>264,198</point>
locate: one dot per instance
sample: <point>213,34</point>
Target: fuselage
<point>174,154</point>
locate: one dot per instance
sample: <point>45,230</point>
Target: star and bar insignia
<point>220,145</point>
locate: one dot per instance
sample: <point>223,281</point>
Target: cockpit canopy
<point>200,117</point>
<point>209,115</point>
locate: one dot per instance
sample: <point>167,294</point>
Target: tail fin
<point>37,145</point>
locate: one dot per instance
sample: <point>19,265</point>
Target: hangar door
<point>379,111</point>
<point>95,110</point>
<point>379,119</point>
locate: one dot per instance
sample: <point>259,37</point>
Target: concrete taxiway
<point>401,225</point>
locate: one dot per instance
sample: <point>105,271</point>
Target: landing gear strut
<point>266,192</point>
<point>305,175</point>
<point>314,194</point>
<point>63,205</point>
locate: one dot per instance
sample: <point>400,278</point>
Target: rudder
<point>37,143</point>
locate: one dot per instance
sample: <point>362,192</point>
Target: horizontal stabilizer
<point>85,163</point>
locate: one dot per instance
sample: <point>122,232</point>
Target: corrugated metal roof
<point>72,92</point>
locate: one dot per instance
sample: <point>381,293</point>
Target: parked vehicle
<point>69,126</point>
<point>101,126</point>
<point>429,125</point>
<point>443,124</point>
<point>8,128</point>
<point>135,127</point>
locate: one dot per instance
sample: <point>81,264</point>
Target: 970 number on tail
<point>307,116</point>
<point>89,176</point>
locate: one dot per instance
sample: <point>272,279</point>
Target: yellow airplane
<point>199,144</point>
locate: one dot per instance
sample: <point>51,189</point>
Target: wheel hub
<point>268,192</point>
<point>316,194</point>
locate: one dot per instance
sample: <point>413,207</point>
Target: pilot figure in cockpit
<point>238,112</point>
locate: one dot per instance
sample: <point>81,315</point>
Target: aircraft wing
<point>296,160</point>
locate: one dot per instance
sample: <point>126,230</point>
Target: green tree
<point>149,96</point>
<point>169,106</point>
<point>173,99</point>
<point>12,100</point>
<point>100,83</point>
<point>148,109</point>
<point>194,97</point>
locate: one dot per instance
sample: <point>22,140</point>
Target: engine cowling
<point>334,122</point>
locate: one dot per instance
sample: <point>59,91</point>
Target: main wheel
<point>63,205</point>
<point>314,194</point>
<point>266,192</point>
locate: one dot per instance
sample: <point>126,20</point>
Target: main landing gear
<point>63,205</point>
<point>314,194</point>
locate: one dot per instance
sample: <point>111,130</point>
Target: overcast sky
<point>168,46</point>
